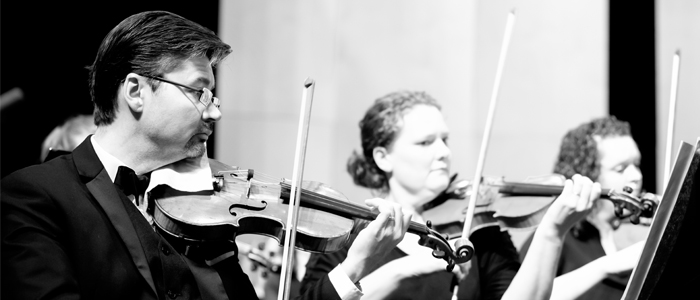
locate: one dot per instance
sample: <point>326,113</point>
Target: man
<point>73,228</point>
<point>598,254</point>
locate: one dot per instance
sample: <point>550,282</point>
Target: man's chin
<point>196,150</point>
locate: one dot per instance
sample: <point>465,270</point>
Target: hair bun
<point>365,173</point>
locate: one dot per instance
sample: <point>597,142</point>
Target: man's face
<point>178,122</point>
<point>619,159</point>
<point>419,156</point>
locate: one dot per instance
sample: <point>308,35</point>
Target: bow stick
<point>671,115</point>
<point>295,191</point>
<point>468,246</point>
<point>487,129</point>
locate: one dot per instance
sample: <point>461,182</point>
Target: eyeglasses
<point>205,95</point>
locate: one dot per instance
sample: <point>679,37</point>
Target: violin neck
<point>533,189</point>
<point>417,228</point>
<point>343,208</point>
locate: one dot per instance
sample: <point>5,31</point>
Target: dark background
<point>45,48</point>
<point>632,73</point>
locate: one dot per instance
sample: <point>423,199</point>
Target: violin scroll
<point>464,249</point>
<point>649,204</point>
<point>627,205</point>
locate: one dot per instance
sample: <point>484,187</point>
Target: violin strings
<point>266,177</point>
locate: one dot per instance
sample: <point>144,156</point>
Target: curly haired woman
<point>592,263</point>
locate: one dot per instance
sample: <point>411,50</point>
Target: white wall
<point>555,78</point>
<point>677,29</point>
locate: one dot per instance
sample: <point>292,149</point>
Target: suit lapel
<point>105,192</point>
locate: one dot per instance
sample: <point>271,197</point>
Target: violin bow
<point>484,142</point>
<point>295,191</point>
<point>675,73</point>
<point>487,129</point>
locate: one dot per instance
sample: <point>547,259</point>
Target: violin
<point>518,205</point>
<point>263,260</point>
<point>260,258</point>
<point>240,204</point>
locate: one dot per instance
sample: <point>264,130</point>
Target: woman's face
<point>418,160</point>
<point>619,159</point>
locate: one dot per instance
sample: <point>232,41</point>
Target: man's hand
<point>377,239</point>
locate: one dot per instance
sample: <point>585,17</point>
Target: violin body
<point>247,207</point>
<point>492,208</point>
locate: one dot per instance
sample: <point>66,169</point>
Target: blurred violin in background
<point>518,205</point>
<point>262,262</point>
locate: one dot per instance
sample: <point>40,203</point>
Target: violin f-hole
<point>233,207</point>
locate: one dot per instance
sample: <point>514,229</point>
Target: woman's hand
<point>377,239</point>
<point>571,206</point>
<point>535,278</point>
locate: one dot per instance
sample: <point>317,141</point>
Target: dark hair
<point>149,43</point>
<point>378,129</point>
<point>578,153</point>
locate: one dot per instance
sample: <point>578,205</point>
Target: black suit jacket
<point>66,234</point>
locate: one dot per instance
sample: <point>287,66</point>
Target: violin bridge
<point>247,189</point>
<point>249,173</point>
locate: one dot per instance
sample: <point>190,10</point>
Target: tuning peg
<point>619,212</point>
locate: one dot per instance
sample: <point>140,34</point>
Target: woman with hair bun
<point>405,159</point>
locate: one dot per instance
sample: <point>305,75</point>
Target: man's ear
<point>381,158</point>
<point>133,92</point>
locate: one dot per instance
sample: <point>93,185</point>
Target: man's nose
<point>211,113</point>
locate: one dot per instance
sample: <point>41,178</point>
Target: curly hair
<point>378,128</point>
<point>149,43</point>
<point>578,153</point>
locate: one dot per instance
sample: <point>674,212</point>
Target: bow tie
<point>130,183</point>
